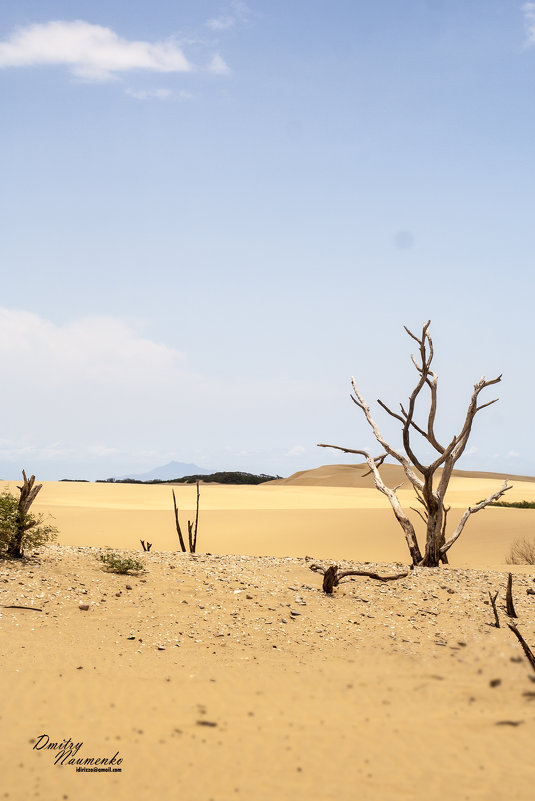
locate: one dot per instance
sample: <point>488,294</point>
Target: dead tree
<point>147,546</point>
<point>192,527</point>
<point>430,487</point>
<point>28,493</point>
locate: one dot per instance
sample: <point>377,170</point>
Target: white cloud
<point>297,450</point>
<point>96,391</point>
<point>218,65</point>
<point>238,12</point>
<point>92,52</point>
<point>529,23</point>
<point>512,455</point>
<point>221,23</point>
<point>149,94</point>
<point>159,94</point>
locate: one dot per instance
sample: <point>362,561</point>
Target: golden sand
<point>233,676</point>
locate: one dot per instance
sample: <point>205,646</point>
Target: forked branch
<point>470,511</point>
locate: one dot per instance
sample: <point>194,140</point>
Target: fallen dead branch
<point>527,650</point>
<point>14,606</point>
<point>332,575</point>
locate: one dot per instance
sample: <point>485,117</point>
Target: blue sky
<point>214,213</point>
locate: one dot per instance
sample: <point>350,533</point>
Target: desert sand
<point>230,674</point>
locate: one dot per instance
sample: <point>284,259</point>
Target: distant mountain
<point>168,471</point>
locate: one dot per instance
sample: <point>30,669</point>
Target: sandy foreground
<point>231,675</point>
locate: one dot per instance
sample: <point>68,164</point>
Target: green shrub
<point>36,531</point>
<point>522,553</point>
<point>515,504</point>
<point>120,564</point>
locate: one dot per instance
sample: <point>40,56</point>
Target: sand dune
<point>328,520</point>
<point>354,475</point>
<point>231,675</point>
<point>236,677</point>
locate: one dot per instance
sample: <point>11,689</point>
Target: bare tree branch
<point>470,511</point>
<point>401,517</point>
<point>421,476</point>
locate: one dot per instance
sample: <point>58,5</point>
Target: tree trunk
<point>433,540</point>
<point>28,493</point>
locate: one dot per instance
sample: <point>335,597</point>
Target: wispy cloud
<point>237,12</point>
<point>222,23</point>
<point>104,390</point>
<point>297,450</point>
<point>91,52</point>
<point>529,23</point>
<point>158,94</point>
<point>218,65</point>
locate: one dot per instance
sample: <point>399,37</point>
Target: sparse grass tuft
<point>120,564</point>
<point>522,553</point>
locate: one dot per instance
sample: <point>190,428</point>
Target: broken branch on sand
<point>527,650</point>
<point>332,575</point>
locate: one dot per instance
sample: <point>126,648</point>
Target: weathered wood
<point>493,604</point>
<point>28,493</point>
<point>370,574</point>
<point>470,511</point>
<point>196,520</point>
<point>190,537</point>
<point>421,476</point>
<point>332,575</point>
<point>177,523</point>
<point>146,547</point>
<point>527,650</point>
<point>509,605</point>
<point>330,579</point>
<point>192,527</point>
<point>15,606</point>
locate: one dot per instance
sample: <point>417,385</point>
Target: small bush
<point>120,564</point>
<point>37,531</point>
<point>515,504</point>
<point>522,553</point>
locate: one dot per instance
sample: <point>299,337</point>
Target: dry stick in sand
<point>493,604</point>
<point>192,532</point>
<point>509,597</point>
<point>527,650</point>
<point>14,606</point>
<point>146,547</point>
<point>192,529</point>
<point>177,523</point>
<point>332,575</point>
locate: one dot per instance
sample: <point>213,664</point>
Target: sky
<point>213,214</point>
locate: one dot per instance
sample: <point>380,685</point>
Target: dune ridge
<point>352,475</point>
